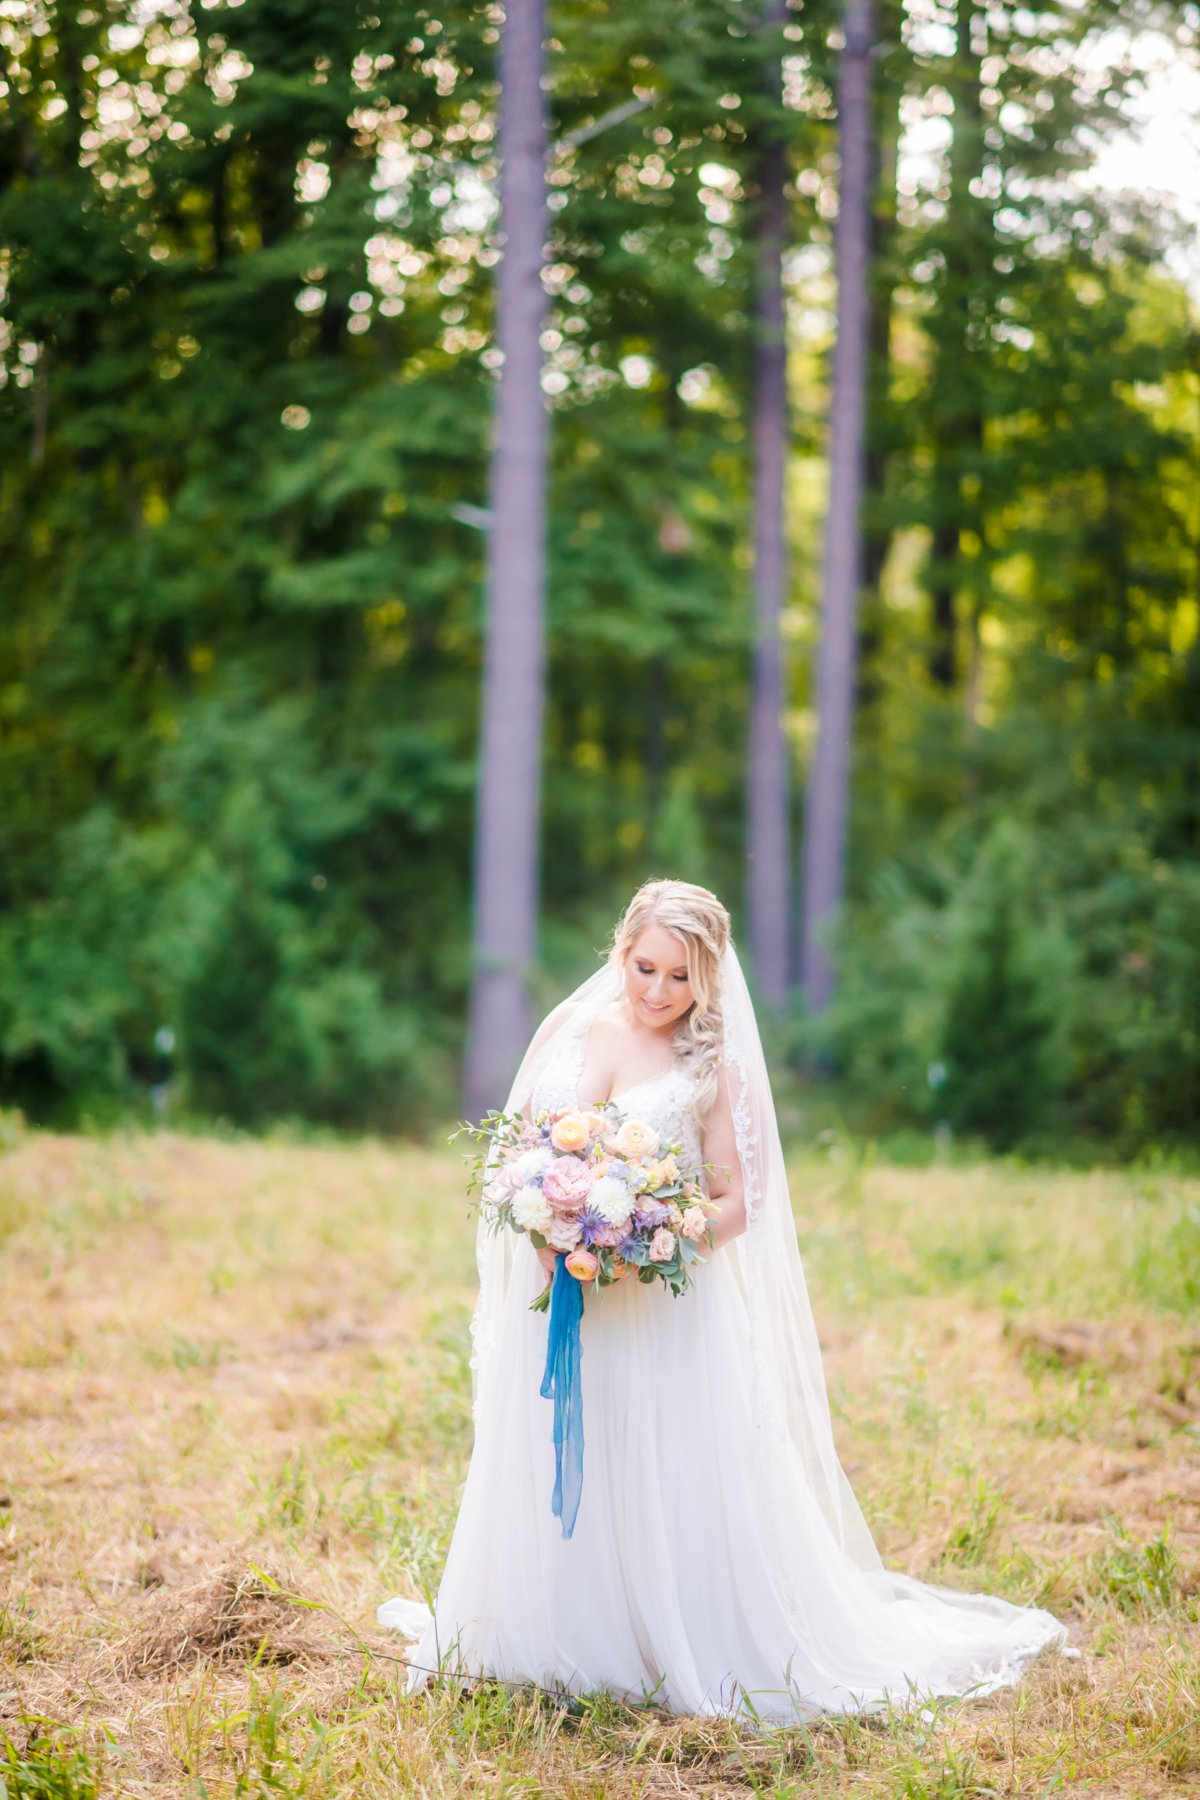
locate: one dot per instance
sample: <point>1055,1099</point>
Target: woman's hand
<point>548,1259</point>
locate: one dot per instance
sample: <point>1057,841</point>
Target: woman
<point>719,1562</point>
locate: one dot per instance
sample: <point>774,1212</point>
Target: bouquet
<point>611,1200</point>
<point>601,1191</point>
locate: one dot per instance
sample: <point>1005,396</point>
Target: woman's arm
<point>719,1147</point>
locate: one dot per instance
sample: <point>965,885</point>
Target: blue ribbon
<point>561,1383</point>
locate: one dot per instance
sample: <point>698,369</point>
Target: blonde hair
<point>701,924</point>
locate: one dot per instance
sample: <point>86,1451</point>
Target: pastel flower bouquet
<point>602,1191</point>
<point>611,1201</point>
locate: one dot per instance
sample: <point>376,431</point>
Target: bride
<point>719,1562</point>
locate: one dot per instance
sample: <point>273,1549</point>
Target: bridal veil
<point>787,1401</point>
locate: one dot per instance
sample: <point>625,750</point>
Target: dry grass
<point>234,1409</point>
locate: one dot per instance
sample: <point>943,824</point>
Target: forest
<point>247,382</point>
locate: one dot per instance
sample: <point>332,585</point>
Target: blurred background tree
<point>248,366</point>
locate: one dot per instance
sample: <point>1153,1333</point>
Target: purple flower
<point>650,1215</point>
<point>591,1225</point>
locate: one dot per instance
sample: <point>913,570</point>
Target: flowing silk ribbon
<point>561,1383</point>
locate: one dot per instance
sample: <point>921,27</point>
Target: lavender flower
<point>591,1226</point>
<point>651,1214</point>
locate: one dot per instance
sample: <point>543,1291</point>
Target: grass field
<point>235,1413</point>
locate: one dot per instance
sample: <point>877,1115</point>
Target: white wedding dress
<point>702,1571</point>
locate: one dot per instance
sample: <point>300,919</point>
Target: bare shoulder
<point>610,1024</point>
<point>607,1047</point>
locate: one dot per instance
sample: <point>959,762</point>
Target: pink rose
<point>562,1233</point>
<point>662,1245</point>
<point>566,1184</point>
<point>609,1236</point>
<point>694,1223</point>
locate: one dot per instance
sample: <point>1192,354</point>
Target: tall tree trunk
<point>506,831</point>
<point>767,771</point>
<point>41,408</point>
<point>957,414</point>
<point>876,531</point>
<point>829,783</point>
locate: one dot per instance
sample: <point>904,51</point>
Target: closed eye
<point>676,977</point>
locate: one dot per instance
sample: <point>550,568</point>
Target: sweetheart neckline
<point>671,1068</point>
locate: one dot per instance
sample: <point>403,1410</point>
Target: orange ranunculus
<point>636,1138</point>
<point>619,1267</point>
<point>570,1133</point>
<point>582,1264</point>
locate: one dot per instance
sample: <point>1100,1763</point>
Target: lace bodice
<point>666,1100</point>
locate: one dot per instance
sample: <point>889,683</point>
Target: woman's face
<point>656,978</point>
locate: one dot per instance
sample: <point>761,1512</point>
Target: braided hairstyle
<point>701,924</point>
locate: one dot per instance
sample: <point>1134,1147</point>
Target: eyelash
<point>642,971</point>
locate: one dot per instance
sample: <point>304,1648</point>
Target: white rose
<point>610,1198</point>
<point>563,1233</point>
<point>496,1191</point>
<point>531,1210</point>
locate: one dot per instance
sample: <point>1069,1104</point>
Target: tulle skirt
<point>701,1572</point>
